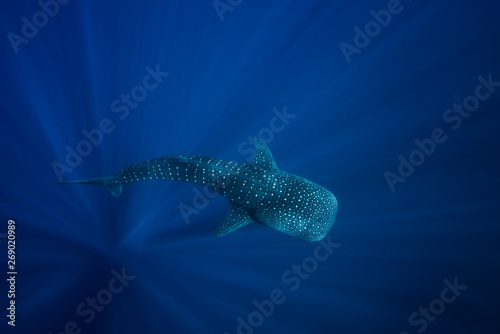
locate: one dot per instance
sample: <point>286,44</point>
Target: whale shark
<point>257,191</point>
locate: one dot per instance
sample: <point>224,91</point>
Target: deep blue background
<point>352,122</point>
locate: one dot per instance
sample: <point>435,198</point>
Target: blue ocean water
<point>391,105</point>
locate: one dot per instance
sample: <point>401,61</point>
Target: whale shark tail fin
<point>109,182</point>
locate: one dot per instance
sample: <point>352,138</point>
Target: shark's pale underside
<point>257,192</point>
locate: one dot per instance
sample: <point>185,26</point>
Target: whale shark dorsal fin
<point>236,218</point>
<point>263,157</point>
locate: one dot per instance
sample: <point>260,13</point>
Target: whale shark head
<point>305,210</point>
<point>322,216</point>
<point>313,213</point>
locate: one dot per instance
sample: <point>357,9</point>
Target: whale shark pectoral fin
<point>236,218</point>
<point>263,157</point>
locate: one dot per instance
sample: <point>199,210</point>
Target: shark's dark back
<point>205,171</point>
